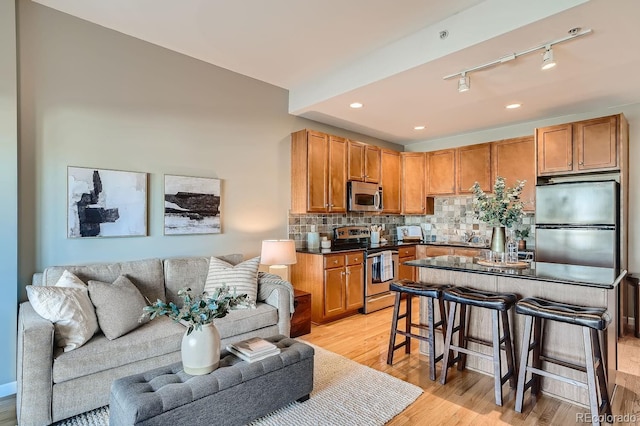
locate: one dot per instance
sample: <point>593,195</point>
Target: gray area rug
<point>344,393</point>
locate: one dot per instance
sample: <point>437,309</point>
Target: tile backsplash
<point>452,218</point>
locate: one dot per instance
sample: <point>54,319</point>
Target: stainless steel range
<point>381,265</point>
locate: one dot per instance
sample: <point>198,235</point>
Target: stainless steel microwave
<point>364,197</point>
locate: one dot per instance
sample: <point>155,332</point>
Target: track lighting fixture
<point>548,60</point>
<point>464,84</point>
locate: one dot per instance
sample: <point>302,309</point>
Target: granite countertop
<point>606,278</point>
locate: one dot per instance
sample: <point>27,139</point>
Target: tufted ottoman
<point>234,394</point>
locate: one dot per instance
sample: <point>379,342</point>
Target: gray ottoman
<point>234,394</point>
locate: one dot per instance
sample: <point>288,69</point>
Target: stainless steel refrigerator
<point>577,231</point>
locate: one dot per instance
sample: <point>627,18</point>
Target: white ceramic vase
<point>201,350</point>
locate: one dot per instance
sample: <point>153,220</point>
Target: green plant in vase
<point>501,210</point>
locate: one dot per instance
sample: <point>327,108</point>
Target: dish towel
<point>387,272</point>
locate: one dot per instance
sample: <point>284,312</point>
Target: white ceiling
<point>389,55</point>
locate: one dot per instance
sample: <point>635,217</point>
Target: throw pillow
<point>67,305</point>
<point>242,277</point>
<point>118,306</point>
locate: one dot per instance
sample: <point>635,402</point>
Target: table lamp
<point>278,254</point>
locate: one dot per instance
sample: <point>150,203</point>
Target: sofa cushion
<point>67,305</point>
<point>158,337</point>
<point>241,278</point>
<point>155,338</point>
<point>119,306</point>
<point>189,272</point>
<point>146,275</point>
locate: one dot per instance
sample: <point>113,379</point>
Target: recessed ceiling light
<point>513,106</point>
<point>356,105</point>
<point>418,128</point>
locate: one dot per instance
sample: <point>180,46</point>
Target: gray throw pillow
<point>118,306</point>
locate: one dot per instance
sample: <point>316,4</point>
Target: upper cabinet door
<point>597,142</point>
<point>515,159</point>
<point>355,170</point>
<point>441,172</point>
<point>317,166</point>
<point>474,165</point>
<point>555,149</point>
<point>390,161</point>
<point>413,182</point>
<point>337,178</point>
<point>372,164</point>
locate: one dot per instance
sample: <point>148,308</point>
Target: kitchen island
<point>597,287</point>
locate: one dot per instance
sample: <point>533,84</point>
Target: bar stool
<point>431,292</point>
<point>591,320</point>
<point>499,304</point>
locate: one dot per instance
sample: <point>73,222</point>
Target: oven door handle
<point>372,255</point>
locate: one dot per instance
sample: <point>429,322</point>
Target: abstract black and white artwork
<point>106,203</point>
<point>191,205</point>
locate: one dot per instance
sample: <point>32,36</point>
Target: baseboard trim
<point>8,389</point>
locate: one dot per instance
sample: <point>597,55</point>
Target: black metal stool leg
<point>536,362</point>
<point>508,346</point>
<point>407,324</point>
<point>431,339</point>
<point>524,357</point>
<point>462,336</point>
<point>448,353</point>
<point>591,376</point>
<point>497,363</point>
<point>601,373</point>
<point>394,328</point>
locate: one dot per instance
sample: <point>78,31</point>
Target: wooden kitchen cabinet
<point>473,164</point>
<point>583,146</point>
<point>335,281</point>
<point>441,172</point>
<point>413,183</point>
<point>515,159</point>
<point>467,251</point>
<point>390,178</point>
<point>318,173</point>
<point>434,251</point>
<point>405,254</point>
<point>364,162</point>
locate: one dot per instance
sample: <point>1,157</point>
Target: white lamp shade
<point>278,252</point>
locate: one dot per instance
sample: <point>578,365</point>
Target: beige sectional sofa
<point>54,385</point>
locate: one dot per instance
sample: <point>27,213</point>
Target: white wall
<point>631,112</point>
<point>8,195</point>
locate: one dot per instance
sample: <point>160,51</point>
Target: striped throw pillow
<point>243,278</point>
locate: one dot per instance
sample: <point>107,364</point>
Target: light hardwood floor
<point>467,398</point>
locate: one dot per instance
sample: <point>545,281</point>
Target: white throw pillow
<point>243,278</point>
<point>68,307</point>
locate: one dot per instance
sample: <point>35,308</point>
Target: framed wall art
<point>191,205</point>
<point>106,203</point>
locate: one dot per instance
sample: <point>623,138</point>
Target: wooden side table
<point>301,320</point>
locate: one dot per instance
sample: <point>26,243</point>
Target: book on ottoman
<point>253,349</point>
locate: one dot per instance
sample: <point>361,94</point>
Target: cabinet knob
<point>335,261</point>
<point>581,163</point>
<point>570,164</point>
<point>332,205</point>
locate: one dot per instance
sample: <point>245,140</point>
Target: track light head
<point>547,58</point>
<point>464,83</point>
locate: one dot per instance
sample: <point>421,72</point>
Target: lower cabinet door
<point>355,287</point>
<point>334,295</point>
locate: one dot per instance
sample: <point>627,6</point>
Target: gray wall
<point>92,97</point>
<point>8,195</point>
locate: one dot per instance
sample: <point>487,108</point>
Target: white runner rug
<point>344,393</point>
